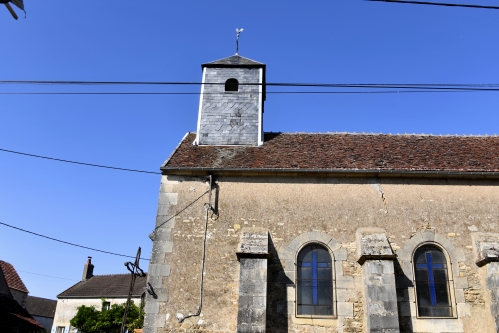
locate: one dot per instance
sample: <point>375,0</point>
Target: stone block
<point>154,320</point>
<point>285,253</point>
<point>340,254</point>
<point>254,241</point>
<point>334,245</point>
<point>343,295</point>
<point>407,309</point>
<point>151,307</point>
<point>373,243</point>
<point>382,323</point>
<point>461,282</point>
<point>460,296</point>
<point>463,309</point>
<point>290,292</point>
<point>493,268</point>
<point>260,302</point>
<point>159,270</point>
<point>287,277</point>
<point>285,307</point>
<point>384,293</point>
<point>437,325</point>
<point>317,236</point>
<point>345,282</point>
<point>345,309</point>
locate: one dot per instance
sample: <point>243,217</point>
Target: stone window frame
<point>288,254</point>
<point>457,284</point>
<point>333,280</point>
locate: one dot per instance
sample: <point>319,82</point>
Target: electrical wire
<point>437,4</point>
<point>55,277</point>
<point>268,84</point>
<point>208,208</point>
<point>199,93</point>
<point>68,243</point>
<point>81,163</point>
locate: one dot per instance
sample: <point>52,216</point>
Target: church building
<point>337,232</point>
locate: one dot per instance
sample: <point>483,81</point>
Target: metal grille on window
<point>432,283</point>
<point>231,85</point>
<point>314,282</point>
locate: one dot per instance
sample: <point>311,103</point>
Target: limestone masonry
<point>387,236</point>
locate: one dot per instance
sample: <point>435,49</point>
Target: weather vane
<point>238,31</point>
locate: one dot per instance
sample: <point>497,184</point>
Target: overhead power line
<point>430,86</point>
<point>437,4</point>
<point>269,92</point>
<point>68,243</point>
<point>50,276</point>
<point>81,163</point>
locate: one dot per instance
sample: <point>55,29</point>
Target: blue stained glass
<point>431,282</point>
<point>314,284</point>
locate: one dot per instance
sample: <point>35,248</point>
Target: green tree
<point>90,320</point>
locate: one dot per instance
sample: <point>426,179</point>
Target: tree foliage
<point>90,320</point>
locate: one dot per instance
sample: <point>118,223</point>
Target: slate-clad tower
<point>231,102</point>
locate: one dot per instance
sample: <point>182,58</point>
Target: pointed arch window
<point>432,282</point>
<point>231,85</point>
<point>314,281</point>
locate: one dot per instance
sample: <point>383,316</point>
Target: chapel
<point>336,232</point>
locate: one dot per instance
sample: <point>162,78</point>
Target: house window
<point>59,329</point>
<point>314,283</point>
<point>432,282</point>
<point>106,305</point>
<point>231,85</point>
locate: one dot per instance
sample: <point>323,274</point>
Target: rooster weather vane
<point>238,31</point>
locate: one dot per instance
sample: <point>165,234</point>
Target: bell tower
<point>231,102</point>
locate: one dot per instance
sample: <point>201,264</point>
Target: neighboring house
<point>16,285</point>
<point>13,317</point>
<point>90,292</point>
<point>333,232</point>
<point>42,310</point>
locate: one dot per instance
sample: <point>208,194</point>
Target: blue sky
<point>341,41</point>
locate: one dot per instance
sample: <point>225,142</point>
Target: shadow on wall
<point>276,293</point>
<point>402,285</point>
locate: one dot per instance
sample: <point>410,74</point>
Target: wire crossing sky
<point>125,84</point>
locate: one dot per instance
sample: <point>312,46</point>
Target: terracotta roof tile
<point>113,285</point>
<point>13,279</point>
<point>343,152</point>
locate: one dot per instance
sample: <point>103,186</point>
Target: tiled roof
<point>113,285</point>
<point>42,307</point>
<point>13,316</point>
<point>13,279</point>
<point>234,60</point>
<point>344,152</point>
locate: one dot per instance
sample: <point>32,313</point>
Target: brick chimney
<point>88,270</point>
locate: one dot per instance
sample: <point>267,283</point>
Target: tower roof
<point>235,60</point>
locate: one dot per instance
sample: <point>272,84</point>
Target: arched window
<point>231,85</point>
<point>314,283</point>
<point>432,282</point>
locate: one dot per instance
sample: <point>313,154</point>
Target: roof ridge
<point>387,134</point>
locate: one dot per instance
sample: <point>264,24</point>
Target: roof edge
<point>99,296</point>
<point>175,150</point>
<point>337,172</point>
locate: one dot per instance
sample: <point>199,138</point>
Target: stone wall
<point>230,118</point>
<point>326,210</point>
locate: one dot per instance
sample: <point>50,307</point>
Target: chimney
<point>88,270</point>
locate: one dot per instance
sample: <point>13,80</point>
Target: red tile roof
<point>344,152</point>
<point>13,279</point>
<point>113,285</point>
